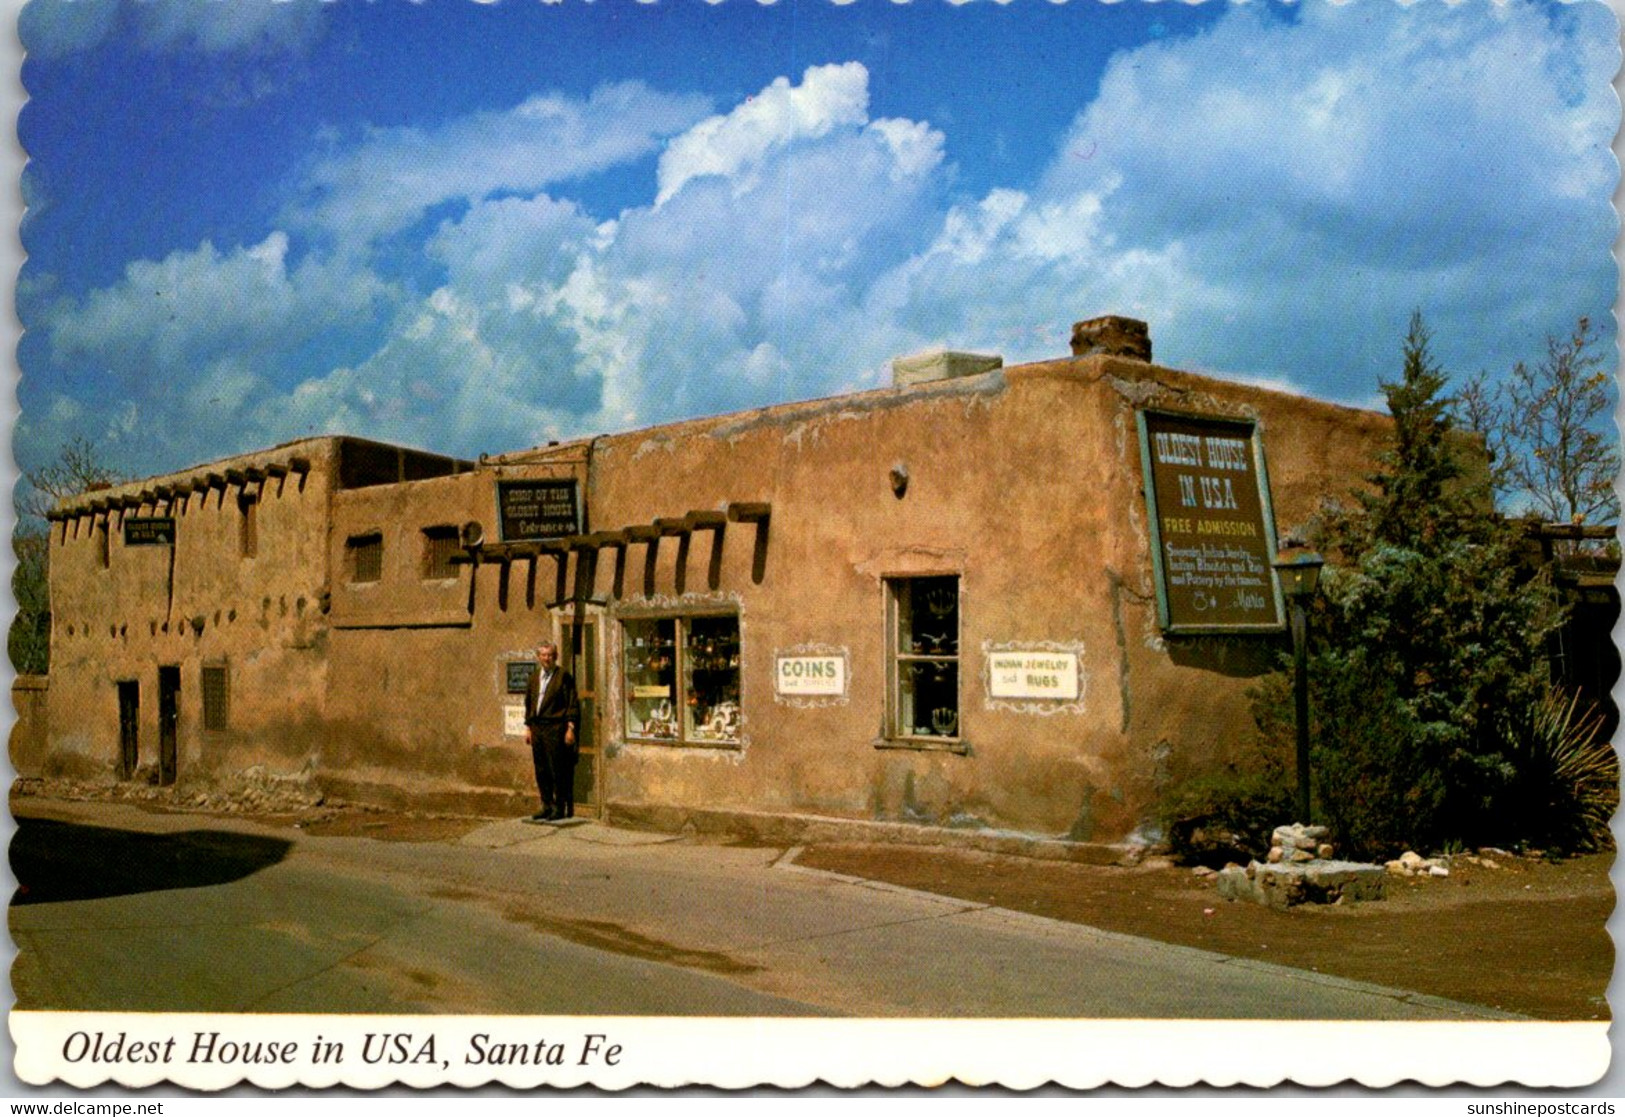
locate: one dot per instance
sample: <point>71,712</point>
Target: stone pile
<point>1412,864</point>
<point>1297,843</point>
<point>1300,870</point>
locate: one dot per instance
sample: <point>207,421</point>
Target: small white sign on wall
<point>513,721</point>
<point>810,675</point>
<point>1033,675</point>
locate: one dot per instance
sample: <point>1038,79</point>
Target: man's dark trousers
<point>547,714</point>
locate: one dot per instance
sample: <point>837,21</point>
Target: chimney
<point>1112,336</point>
<point>940,364</point>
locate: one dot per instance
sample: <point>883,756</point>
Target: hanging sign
<point>1212,528</point>
<point>529,510</point>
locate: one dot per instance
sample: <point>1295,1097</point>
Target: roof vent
<point>1112,336</point>
<point>940,364</point>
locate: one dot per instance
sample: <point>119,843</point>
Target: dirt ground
<point>1526,936</point>
<point>1522,934</point>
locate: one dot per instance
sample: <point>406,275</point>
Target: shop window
<point>440,543</point>
<point>682,679</point>
<point>248,532</point>
<point>924,630</point>
<point>365,556</point>
<point>216,698</point>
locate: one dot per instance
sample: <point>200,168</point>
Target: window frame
<point>215,715</point>
<point>354,547</point>
<point>896,734</point>
<point>435,566</point>
<point>682,679</point>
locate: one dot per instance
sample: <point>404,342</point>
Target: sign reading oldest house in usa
<point>149,531</point>
<point>537,510</point>
<point>1212,528</point>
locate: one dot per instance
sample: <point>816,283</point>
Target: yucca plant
<point>1568,778</point>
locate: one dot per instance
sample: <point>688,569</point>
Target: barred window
<point>440,543</point>
<point>365,555</point>
<point>216,698</point>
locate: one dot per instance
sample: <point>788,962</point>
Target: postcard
<point>716,543</point>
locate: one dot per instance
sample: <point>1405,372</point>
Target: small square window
<point>365,557</point>
<point>440,543</point>
<point>216,698</point>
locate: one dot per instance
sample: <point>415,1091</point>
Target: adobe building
<point>998,599</point>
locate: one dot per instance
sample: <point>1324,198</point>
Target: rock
<point>1275,854</point>
<point>1438,871</point>
<point>1298,856</point>
<point>1397,868</point>
<point>1152,863</point>
<point>1233,884</point>
<point>1324,852</point>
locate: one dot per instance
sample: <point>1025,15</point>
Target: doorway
<point>581,653</point>
<point>169,717</point>
<point>129,728</point>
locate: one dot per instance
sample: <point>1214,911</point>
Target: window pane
<point>650,650</point>
<point>926,656</point>
<point>711,679</point>
<point>928,617</point>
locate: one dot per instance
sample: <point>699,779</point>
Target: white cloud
<point>56,27</point>
<point>828,97</point>
<point>393,176</point>
<point>168,314</point>
<point>1274,195</point>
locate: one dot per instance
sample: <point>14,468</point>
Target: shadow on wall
<point>55,861</point>
<point>1239,657</point>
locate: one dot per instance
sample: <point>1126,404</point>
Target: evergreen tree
<point>1429,643</point>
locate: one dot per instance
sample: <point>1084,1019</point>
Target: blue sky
<point>474,227</point>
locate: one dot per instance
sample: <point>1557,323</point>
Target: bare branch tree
<point>1546,428</point>
<point>77,468</point>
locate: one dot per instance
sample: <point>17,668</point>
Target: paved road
<point>171,913</point>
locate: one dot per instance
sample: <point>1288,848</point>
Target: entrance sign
<point>1033,675</point>
<point>537,510</point>
<point>810,675</point>
<point>149,531</point>
<point>1212,527</point>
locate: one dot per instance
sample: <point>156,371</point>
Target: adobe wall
<point>204,602</point>
<point>1026,483</point>
<point>30,734</point>
<point>415,691</point>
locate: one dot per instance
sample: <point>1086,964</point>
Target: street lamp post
<point>1298,570</point>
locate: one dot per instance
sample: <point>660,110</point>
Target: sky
<point>475,227</point>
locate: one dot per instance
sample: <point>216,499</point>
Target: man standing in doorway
<point>551,715</point>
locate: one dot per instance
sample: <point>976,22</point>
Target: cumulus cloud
<point>51,28</point>
<point>1275,195</point>
<point>393,176</point>
<point>726,145</point>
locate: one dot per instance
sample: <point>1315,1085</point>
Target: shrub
<point>1568,775</point>
<point>1216,818</point>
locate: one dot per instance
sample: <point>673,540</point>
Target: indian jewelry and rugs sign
<point>1212,528</point>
